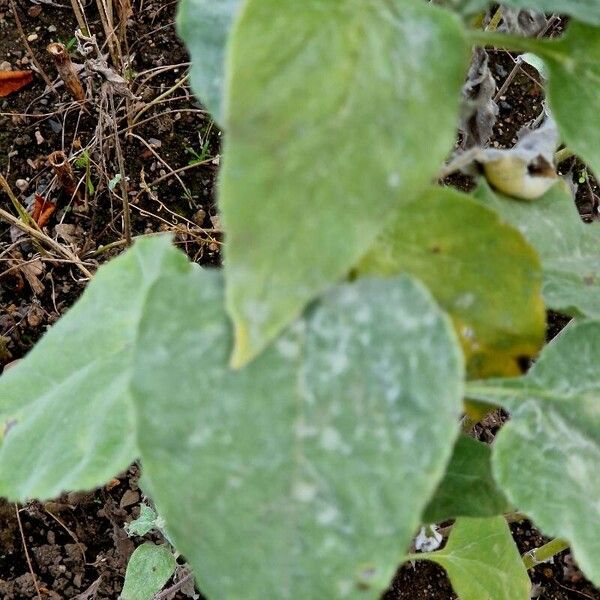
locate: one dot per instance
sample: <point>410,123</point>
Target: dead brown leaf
<point>13,81</point>
<point>32,271</point>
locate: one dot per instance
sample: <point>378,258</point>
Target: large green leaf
<point>329,126</point>
<point>479,268</point>
<point>204,25</point>
<point>303,475</point>
<point>483,561</point>
<point>148,569</point>
<point>65,410</point>
<point>569,249</point>
<point>468,488</point>
<point>574,66</point>
<point>546,457</point>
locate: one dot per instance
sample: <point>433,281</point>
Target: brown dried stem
<point>64,173</point>
<point>105,9</point>
<point>42,237</point>
<point>123,182</point>
<point>27,557</point>
<point>66,70</point>
<point>79,16</point>
<point>25,216</point>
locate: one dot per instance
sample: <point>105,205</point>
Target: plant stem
<point>540,555</point>
<point>25,216</point>
<point>562,155</point>
<point>156,100</point>
<point>79,17</point>
<point>40,236</point>
<point>124,190</point>
<point>495,21</point>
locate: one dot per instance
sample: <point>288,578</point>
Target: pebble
<point>22,184</point>
<point>199,217</point>
<point>32,37</point>
<point>5,66</point>
<point>52,29</point>
<point>22,140</point>
<point>35,11</point>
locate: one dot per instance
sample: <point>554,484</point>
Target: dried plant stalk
<point>79,16</point>
<point>67,71</point>
<point>58,161</point>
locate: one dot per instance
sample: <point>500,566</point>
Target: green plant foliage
<point>65,411</point>
<point>146,522</point>
<point>204,25</point>
<point>546,457</point>
<point>483,561</point>
<point>319,151</point>
<point>149,568</point>
<point>569,248</point>
<point>433,238</point>
<point>573,63</point>
<point>295,431</point>
<point>285,479</point>
<point>468,488</point>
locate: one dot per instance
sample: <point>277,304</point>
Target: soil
<point>76,545</point>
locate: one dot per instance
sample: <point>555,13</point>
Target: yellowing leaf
<point>480,269</point>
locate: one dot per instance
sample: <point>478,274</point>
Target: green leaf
<point>65,410</point>
<point>573,63</point>
<point>303,475</point>
<point>114,182</point>
<point>569,248</point>
<point>148,569</point>
<point>480,269</point>
<point>468,488</point>
<point>204,26</point>
<point>329,127</point>
<point>146,522</point>
<point>546,457</point>
<point>483,561</point>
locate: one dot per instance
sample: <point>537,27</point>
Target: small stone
<point>22,184</point>
<point>5,66</point>
<point>199,217</point>
<point>32,37</point>
<point>35,11</point>
<point>52,29</point>
<point>22,140</point>
<point>35,316</point>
